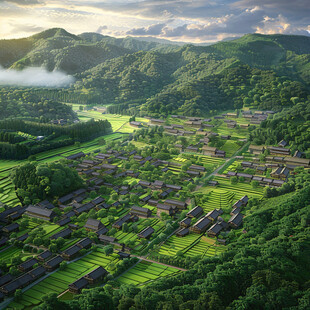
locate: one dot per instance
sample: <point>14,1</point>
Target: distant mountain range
<point>159,77</point>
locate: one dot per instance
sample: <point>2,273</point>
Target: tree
<point>108,249</point>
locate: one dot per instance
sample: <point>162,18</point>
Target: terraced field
<point>7,190</point>
<point>145,272</point>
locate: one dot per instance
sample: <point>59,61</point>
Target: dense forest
<point>262,71</point>
<point>53,136</point>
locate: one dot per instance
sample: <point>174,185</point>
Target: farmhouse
<point>96,275</point>
<point>209,150</point>
<point>141,212</point>
<point>279,151</point>
<point>84,243</point>
<point>10,228</point>
<point>183,232</point>
<point>197,168</point>
<point>40,213</point>
<point>126,218</point>
<point>37,273</point>
<point>75,156</point>
<point>135,124</point>
<point>201,226</point>
<point>213,215</point>
<point>216,228</point>
<point>71,252</point>
<point>195,212</point>
<point>163,208</point>
<point>282,143</point>
<point>299,162</point>
<point>280,173</point>
<point>77,286</point>
<point>43,256</point>
<point>53,263</point>
<point>27,265</point>
<point>180,205</point>
<point>231,125</point>
<point>236,220</point>
<point>65,233</point>
<point>146,233</point>
<point>158,184</point>
<point>5,279</point>
<point>123,255</point>
<point>107,239</point>
<point>93,224</point>
<point>185,222</point>
<point>256,149</point>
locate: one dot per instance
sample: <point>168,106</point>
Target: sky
<point>194,21</point>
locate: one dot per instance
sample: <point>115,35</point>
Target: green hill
<point>262,71</point>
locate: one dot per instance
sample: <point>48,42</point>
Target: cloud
<point>34,77</point>
<point>152,30</point>
<point>24,2</point>
<point>26,28</point>
<point>101,28</point>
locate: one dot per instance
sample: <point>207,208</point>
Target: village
<point>173,187</point>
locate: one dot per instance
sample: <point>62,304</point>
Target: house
<point>158,122</point>
<point>174,187</point>
<point>183,232</point>
<point>76,156</point>
<point>14,227</point>
<point>107,239</point>
<point>53,263</point>
<point>235,210</point>
<point>197,168</point>
<point>96,275</point>
<point>23,237</point>
<point>123,255</point>
<point>146,233</point>
<point>261,169</point>
<point>158,184</point>
<point>234,115</point>
<point>185,222</point>
<point>85,243</point>
<point>209,150</point>
<point>18,283</point>
<point>5,279</point>
<point>201,226</point>
<point>64,221</point>
<point>141,212</point>
<point>213,215</point>
<point>180,205</point>
<point>135,124</point>
<point>213,183</point>
<point>256,149</point>
<point>27,265</point>
<point>236,220</point>
<point>195,212</point>
<point>93,224</point>
<point>144,183</point>
<point>45,204</point>
<point>279,151</point>
<point>231,125</point>
<point>244,200</point>
<point>216,228</point>
<point>119,223</point>
<point>163,208</point>
<point>77,286</point>
<point>298,154</point>
<point>282,143</point>
<point>44,255</point>
<point>65,233</point>
<point>247,177</point>
<point>71,252</point>
<point>40,213</point>
<point>37,273</point>
<point>281,173</point>
<point>298,162</point>
<point>193,173</point>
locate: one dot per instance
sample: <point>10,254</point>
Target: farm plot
<point>205,247</point>
<point>218,198</point>
<point>175,244</point>
<point>230,147</point>
<point>7,191</point>
<point>145,272</point>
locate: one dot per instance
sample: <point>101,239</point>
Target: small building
<point>27,265</point>
<point>44,256</point>
<point>141,212</point>
<point>209,150</point>
<point>146,233</point>
<point>236,220</point>
<point>201,226</point>
<point>40,213</point>
<point>107,239</point>
<point>37,273</point>
<point>14,227</point>
<point>135,124</point>
<point>163,208</point>
<point>279,151</point>
<point>216,228</point>
<point>71,253</point>
<point>96,275</point>
<point>183,232</point>
<point>53,263</point>
<point>93,225</point>
<point>256,149</point>
<point>185,222</point>
<point>213,215</point>
<point>123,255</point>
<point>180,205</point>
<point>84,243</point>
<point>282,143</point>
<point>195,212</point>
<point>77,286</point>
<point>65,233</point>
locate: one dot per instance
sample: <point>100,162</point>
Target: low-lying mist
<point>34,77</point>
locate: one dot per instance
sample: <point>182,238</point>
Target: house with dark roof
<point>44,256</point>
<point>141,212</point>
<point>163,208</point>
<point>214,214</point>
<point>37,273</point>
<point>146,233</point>
<point>125,219</point>
<point>123,255</point>
<point>53,263</point>
<point>185,222</point>
<point>236,220</point>
<point>40,213</point>
<point>5,279</point>
<point>96,275</point>
<point>71,253</point>
<point>93,224</point>
<point>75,156</point>
<point>107,239</point>
<point>14,227</point>
<point>77,286</point>
<point>180,205</point>
<point>85,243</point>
<point>64,221</point>
<point>216,228</point>
<point>65,233</point>
<point>27,265</point>
<point>182,232</point>
<point>201,226</point>
<point>195,212</point>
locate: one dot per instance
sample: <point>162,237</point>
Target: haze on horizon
<point>176,20</point>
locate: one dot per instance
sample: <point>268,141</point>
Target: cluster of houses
<point>256,117</point>
<point>212,223</point>
<point>35,268</point>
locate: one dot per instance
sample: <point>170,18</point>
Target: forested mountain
<point>264,71</point>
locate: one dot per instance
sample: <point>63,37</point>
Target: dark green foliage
<point>36,182</point>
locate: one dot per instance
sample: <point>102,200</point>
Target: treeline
<point>265,267</point>
<point>21,103</point>
<point>292,125</point>
<point>78,132</point>
<point>10,137</point>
